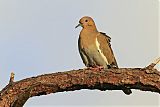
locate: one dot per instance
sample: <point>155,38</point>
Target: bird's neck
<point>89,30</point>
<point>88,33</point>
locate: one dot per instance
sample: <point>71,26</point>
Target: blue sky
<point>39,37</point>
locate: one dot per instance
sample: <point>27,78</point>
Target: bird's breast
<point>87,40</point>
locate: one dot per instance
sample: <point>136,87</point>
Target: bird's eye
<point>86,20</point>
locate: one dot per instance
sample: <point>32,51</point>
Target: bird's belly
<point>95,58</point>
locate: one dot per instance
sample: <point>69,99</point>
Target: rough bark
<point>15,94</point>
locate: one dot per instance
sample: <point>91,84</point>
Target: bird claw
<point>97,68</point>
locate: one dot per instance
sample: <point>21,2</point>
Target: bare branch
<point>11,78</point>
<point>153,64</point>
<point>17,93</point>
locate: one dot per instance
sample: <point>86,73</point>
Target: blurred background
<point>39,37</point>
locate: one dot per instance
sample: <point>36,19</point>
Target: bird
<point>95,47</point>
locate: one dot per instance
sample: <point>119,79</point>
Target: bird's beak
<point>78,25</point>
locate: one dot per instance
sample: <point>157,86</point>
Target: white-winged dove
<point>94,47</point>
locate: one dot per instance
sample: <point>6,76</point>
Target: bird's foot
<point>97,68</point>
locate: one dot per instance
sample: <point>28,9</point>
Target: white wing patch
<point>101,53</point>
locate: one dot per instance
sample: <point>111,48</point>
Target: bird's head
<point>86,22</point>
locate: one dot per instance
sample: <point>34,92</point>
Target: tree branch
<point>15,94</point>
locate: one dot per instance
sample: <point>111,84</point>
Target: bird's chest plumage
<point>88,42</point>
